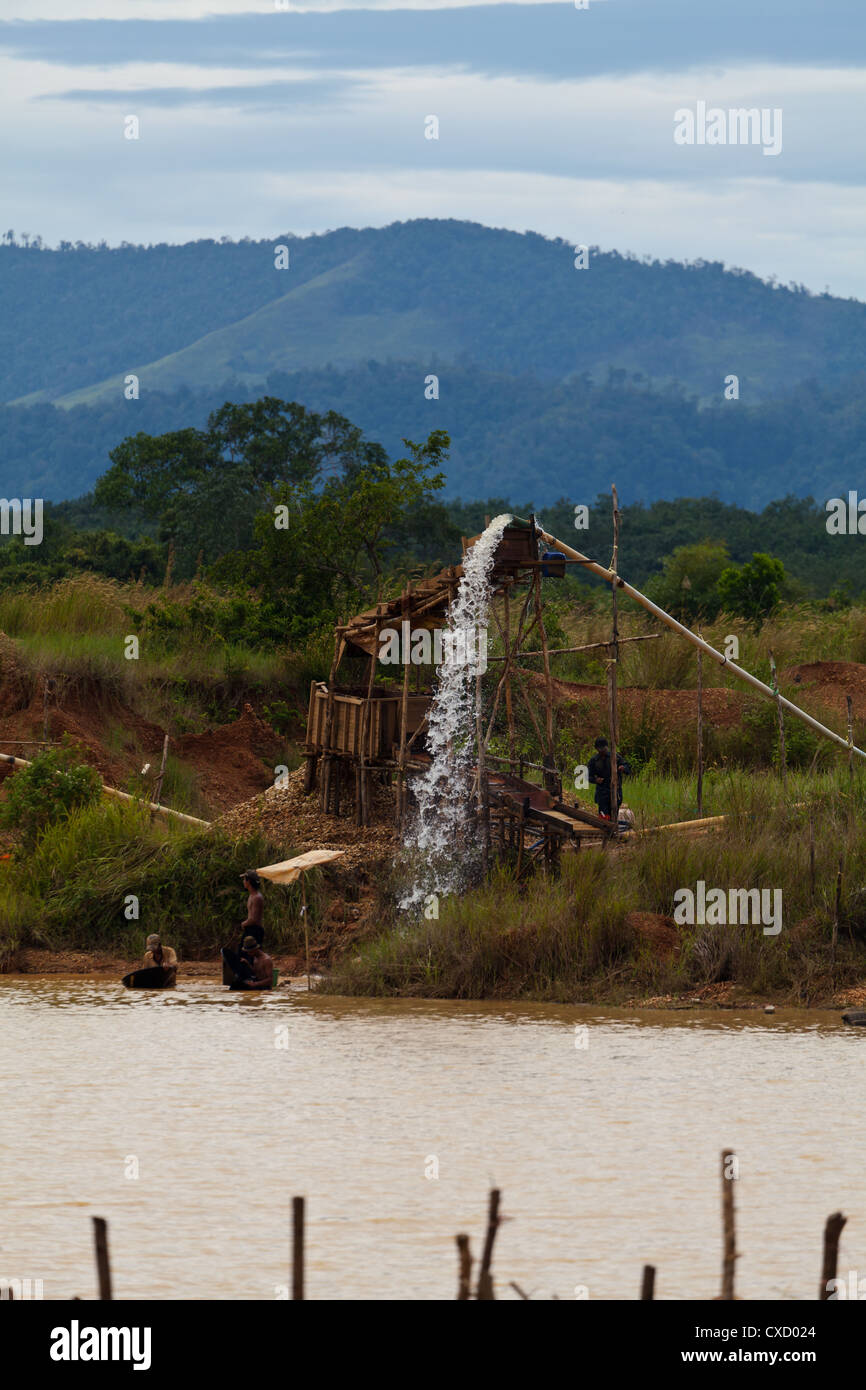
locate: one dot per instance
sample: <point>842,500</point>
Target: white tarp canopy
<point>291,869</point>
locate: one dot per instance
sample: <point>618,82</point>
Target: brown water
<point>607,1155</point>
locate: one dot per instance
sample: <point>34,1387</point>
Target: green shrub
<point>55,784</point>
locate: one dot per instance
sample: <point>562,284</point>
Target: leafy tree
<point>324,547</point>
<point>55,783</point>
<point>205,486</point>
<point>688,584</point>
<point>753,590</point>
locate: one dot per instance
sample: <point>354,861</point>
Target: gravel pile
<point>295,823</point>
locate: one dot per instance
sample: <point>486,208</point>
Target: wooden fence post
<point>297,1249</point>
<point>103,1266</point>
<point>485,1278</point>
<point>729,1234</point>
<point>464,1257</point>
<point>832,1232</point>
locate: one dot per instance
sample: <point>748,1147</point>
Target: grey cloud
<point>267,96</point>
<point>554,41</point>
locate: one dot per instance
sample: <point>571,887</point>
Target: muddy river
<point>189,1118</point>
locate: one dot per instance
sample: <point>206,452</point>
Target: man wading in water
<point>599,776</point>
<point>261,966</point>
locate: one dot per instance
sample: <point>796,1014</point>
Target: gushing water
<point>437,837</point>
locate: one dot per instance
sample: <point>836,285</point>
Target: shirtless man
<point>157,954</point>
<point>261,965</point>
<point>253,925</point>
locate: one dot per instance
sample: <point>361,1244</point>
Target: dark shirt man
<point>599,776</point>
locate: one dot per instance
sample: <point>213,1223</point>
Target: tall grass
<point>110,874</point>
<point>572,939</point>
<point>74,632</point>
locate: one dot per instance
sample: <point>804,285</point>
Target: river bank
<point>101,964</point>
<point>38,964</point>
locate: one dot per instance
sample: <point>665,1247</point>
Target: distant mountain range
<point>551,379</point>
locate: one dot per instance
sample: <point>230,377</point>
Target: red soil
<point>828,683</point>
<point>721,707</point>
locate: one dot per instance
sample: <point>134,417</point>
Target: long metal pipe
<point>696,641</point>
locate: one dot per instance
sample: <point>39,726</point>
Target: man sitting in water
<point>260,965</point>
<point>157,954</point>
<point>254,923</point>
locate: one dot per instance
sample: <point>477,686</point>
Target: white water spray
<point>437,833</point>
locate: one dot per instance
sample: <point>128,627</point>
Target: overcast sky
<point>255,119</point>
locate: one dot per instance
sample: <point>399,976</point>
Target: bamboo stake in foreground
<point>648,1283</point>
<point>729,1168</point>
<point>464,1257</point>
<point>832,1232</point>
<point>103,1267</point>
<point>485,1278</point>
<point>297,1248</point>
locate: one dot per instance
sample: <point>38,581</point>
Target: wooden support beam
<point>612,670</point>
<point>700,734</point>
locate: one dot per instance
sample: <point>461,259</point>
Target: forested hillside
<point>550,379</point>
<point>509,434</point>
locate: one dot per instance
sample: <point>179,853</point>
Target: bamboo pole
<point>365,724</point>
<point>404,719</point>
<point>850,708</point>
<point>485,1278</point>
<point>103,1264</point>
<point>483,802</point>
<point>305,916</point>
<point>464,1259</point>
<point>327,761</point>
<point>783,762</point>
<point>48,688</point>
<point>690,636</point>
<point>548,679</point>
<point>613,666</point>
<point>836,911</point>
<point>700,734</point>
<point>586,647</point>
<point>729,1234</point>
<point>509,705</point>
<point>811,854</point>
<point>297,1248</point>
<point>648,1283</point>
<point>832,1232</point>
<point>505,678</point>
<point>157,791</point>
